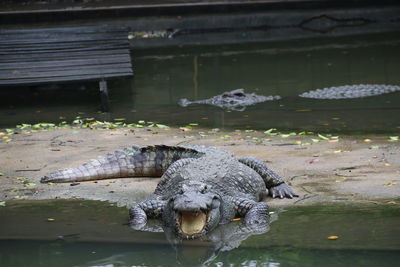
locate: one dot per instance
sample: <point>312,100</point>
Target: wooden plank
<point>64,54</point>
<point>47,43</point>
<point>66,62</point>
<point>4,74</point>
<point>7,40</point>
<point>63,79</point>
<point>84,70</point>
<point>76,48</point>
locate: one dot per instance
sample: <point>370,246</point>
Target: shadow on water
<point>90,233</point>
<point>163,76</point>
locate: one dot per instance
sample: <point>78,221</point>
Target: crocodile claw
<point>282,191</point>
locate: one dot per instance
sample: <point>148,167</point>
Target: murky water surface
<point>165,75</point>
<point>90,233</point>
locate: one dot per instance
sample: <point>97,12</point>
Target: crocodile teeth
<point>192,222</point>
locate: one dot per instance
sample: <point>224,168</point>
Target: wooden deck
<point>54,55</point>
<point>67,54</point>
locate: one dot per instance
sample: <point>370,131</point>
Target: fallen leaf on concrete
<point>311,161</point>
<point>390,184</point>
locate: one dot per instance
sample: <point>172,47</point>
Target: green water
<point>165,75</point>
<point>90,233</point>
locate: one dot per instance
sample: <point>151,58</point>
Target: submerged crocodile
<point>200,187</point>
<point>236,100</point>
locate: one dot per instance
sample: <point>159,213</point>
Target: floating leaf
<point>333,237</point>
<point>304,110</point>
<point>51,219</point>
<point>2,203</point>
<point>141,122</point>
<point>393,138</point>
<point>194,124</point>
<point>119,119</point>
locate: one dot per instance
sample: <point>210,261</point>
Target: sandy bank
<point>348,170</point>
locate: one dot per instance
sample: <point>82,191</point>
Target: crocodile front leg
<point>253,212</point>
<point>277,187</point>
<point>150,208</point>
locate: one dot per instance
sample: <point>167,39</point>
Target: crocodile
<point>236,100</point>
<point>200,186</point>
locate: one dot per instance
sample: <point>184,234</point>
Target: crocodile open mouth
<point>192,223</point>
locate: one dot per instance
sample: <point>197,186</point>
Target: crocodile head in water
<point>194,211</point>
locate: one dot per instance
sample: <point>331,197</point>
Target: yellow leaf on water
<point>333,237</point>
<point>51,219</point>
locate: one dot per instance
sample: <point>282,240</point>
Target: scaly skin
<point>351,91</point>
<point>204,184</point>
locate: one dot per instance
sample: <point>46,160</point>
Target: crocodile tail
<point>130,162</point>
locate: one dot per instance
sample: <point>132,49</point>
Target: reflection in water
<point>351,91</point>
<point>202,252</point>
<point>224,237</point>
